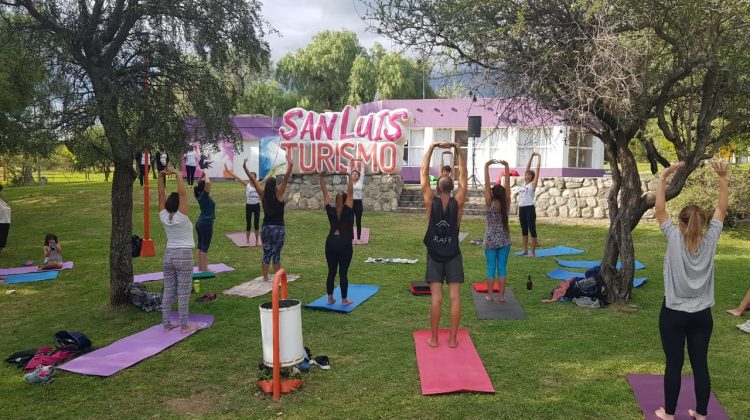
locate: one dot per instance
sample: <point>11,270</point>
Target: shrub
<point>702,190</point>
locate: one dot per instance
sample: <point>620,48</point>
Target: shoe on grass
<point>745,327</point>
<point>40,375</point>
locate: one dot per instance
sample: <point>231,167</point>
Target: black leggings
<point>338,255</point>
<point>358,216</point>
<point>252,214</point>
<point>141,173</point>
<point>527,216</point>
<point>675,327</point>
<point>190,174</point>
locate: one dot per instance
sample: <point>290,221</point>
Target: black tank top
<point>441,238</point>
<point>273,211</point>
<point>344,224</point>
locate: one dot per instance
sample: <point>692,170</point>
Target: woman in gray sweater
<point>688,291</point>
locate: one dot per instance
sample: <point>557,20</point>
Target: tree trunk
<point>28,173</point>
<point>120,253</point>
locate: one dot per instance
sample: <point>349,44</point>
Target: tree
<point>607,66</point>
<point>319,73</point>
<point>142,70</point>
<point>267,98</point>
<point>91,149</point>
<point>389,75</point>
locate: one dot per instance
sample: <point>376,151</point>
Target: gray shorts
<point>451,271</point>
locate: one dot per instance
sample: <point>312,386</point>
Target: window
<point>580,149</point>
<point>531,139</point>
<point>488,145</point>
<point>414,148</point>
<point>441,135</point>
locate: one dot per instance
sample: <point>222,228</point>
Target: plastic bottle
<point>196,286</point>
<point>529,285</point>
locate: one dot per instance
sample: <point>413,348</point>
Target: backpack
<point>21,358</point>
<point>142,298</point>
<point>72,341</point>
<point>136,245</point>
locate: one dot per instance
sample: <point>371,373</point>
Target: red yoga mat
<point>649,393</point>
<point>443,370</point>
<point>482,287</point>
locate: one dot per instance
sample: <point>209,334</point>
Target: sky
<point>297,21</point>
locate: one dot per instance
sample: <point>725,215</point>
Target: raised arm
<point>236,178</point>
<point>207,179</point>
<point>424,177</point>
<point>324,187</point>
<point>162,194</point>
<point>506,182</point>
<point>182,192</point>
<point>350,190</point>
<point>487,182</point>
<point>244,167</point>
<point>722,170</point>
<point>538,167</point>
<point>660,206</point>
<point>281,190</point>
<point>463,176</point>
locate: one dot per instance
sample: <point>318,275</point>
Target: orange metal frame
<point>147,246</point>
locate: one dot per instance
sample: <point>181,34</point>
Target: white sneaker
<point>745,327</point>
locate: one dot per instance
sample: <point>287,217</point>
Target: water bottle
<point>196,286</point>
<point>529,285</point>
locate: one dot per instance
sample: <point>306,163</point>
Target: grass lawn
<point>563,362</point>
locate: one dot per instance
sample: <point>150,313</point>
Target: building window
<point>580,149</point>
<point>530,140</point>
<point>414,148</point>
<point>488,145</point>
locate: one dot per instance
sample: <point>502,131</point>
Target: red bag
<point>48,356</point>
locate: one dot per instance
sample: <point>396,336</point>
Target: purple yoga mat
<point>365,239</point>
<point>214,268</point>
<point>649,392</point>
<point>31,269</point>
<point>130,350</point>
<point>240,239</point>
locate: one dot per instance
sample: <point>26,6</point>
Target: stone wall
<point>574,197</point>
<point>380,192</point>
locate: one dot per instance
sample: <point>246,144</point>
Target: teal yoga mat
<point>357,293</point>
<point>560,274</point>
<point>554,252</point>
<point>591,264</point>
<point>31,277</point>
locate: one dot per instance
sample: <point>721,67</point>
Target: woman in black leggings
<point>688,292</point>
<point>339,240</point>
<point>358,181</point>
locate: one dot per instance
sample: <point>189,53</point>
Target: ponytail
<point>692,221</point>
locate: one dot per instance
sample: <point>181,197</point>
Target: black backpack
<point>142,298</point>
<point>72,341</point>
<point>136,246</point>
<point>21,358</point>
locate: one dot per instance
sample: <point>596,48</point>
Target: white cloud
<point>297,21</point>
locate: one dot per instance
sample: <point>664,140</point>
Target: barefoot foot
<point>488,298</point>
<point>453,342</point>
<point>501,298</point>
<point>662,414</point>
<point>694,414</point>
<point>331,300</point>
<point>346,302</point>
<point>193,326</point>
<point>734,312</point>
<point>432,342</point>
<point>170,327</point>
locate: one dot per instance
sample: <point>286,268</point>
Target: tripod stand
<point>473,179</point>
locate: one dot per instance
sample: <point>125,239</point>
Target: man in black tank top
<point>444,262</point>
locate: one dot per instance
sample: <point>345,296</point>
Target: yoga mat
<point>443,370</point>
<point>649,393</point>
<point>560,274</point>
<point>591,264</point>
<point>31,269</point>
<point>214,268</point>
<point>130,350</point>
<point>462,236</point>
<point>31,277</point>
<point>554,252</point>
<point>357,293</point>
<point>510,309</point>
<point>481,287</point>
<point>240,240</point>
<point>365,238</point>
<point>419,288</point>
<point>256,287</point>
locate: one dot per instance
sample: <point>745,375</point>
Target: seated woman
<point>743,306</point>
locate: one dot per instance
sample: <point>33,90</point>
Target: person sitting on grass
<point>743,306</point>
<point>688,291</point>
<point>178,255</point>
<point>339,247</point>
<point>444,260</point>
<point>52,253</point>
<point>496,241</point>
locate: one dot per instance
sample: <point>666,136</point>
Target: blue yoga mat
<point>560,274</point>
<point>29,277</point>
<point>554,252</point>
<point>358,293</point>
<point>591,264</point>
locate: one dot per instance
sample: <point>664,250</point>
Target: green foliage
<point>91,149</point>
<point>702,190</point>
<point>266,98</point>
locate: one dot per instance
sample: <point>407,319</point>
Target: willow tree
<point>607,66</point>
<point>141,68</point>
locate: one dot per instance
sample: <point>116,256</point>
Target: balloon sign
<point>329,141</point>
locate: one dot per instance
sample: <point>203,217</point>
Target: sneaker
<point>322,362</point>
<point>40,375</point>
<point>745,327</point>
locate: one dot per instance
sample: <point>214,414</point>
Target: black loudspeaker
<point>475,126</point>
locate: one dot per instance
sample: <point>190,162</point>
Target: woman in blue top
<point>205,223</point>
<point>688,291</point>
<point>496,242</point>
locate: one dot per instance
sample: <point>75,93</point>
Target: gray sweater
<point>688,276</point>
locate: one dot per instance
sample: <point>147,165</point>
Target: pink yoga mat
<point>365,238</point>
<point>240,239</point>
<point>443,370</point>
<point>215,268</point>
<point>649,393</point>
<point>31,269</point>
<point>130,350</point>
